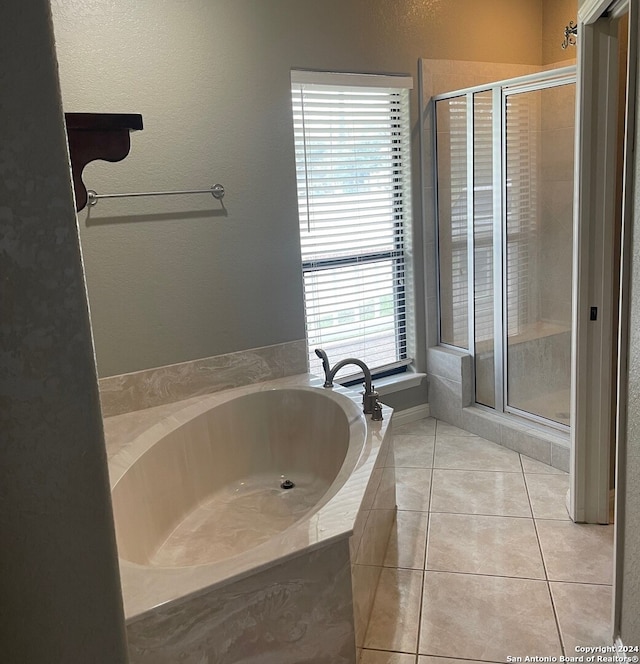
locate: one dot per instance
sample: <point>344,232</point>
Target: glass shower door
<point>539,131</point>
<point>465,168</point>
<point>453,219</point>
<point>504,165</point>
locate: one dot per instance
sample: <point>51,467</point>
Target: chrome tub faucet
<point>370,404</point>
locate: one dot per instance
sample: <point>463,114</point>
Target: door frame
<point>593,255</point>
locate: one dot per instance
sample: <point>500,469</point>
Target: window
<point>352,144</point>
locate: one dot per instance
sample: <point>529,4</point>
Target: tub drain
<point>287,484</point>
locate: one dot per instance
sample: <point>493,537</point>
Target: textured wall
<point>58,571</point>
<point>168,280</point>
<point>556,14</point>
<point>629,584</point>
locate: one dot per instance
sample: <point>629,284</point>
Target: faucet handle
<point>376,414</point>
<point>369,400</point>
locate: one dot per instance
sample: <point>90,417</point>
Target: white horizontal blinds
<point>452,151</point>
<point>352,164</point>
<point>522,136</point>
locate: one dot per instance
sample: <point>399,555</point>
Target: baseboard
<point>411,414</point>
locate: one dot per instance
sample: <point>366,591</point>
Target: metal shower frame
<point>500,91</point>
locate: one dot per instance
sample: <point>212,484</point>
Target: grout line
<point>493,576</point>
<point>546,518</point>
<point>504,576</point>
<point>464,659</point>
<point>424,562</point>
<point>496,516</point>
<point>582,583</point>
<point>426,542</point>
<point>555,615</point>
<point>477,470</point>
<point>426,549</point>
<point>544,564</point>
<point>414,435</point>
<point>404,652</point>
<point>506,516</point>
<point>395,652</point>
<point>435,442</point>
<point>578,525</point>
<point>415,467</point>
<point>426,552</point>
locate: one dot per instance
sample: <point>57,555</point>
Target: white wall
<point>168,281</point>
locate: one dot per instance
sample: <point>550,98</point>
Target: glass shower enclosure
<point>504,187</point>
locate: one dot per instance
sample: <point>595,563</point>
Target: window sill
<point>398,382</point>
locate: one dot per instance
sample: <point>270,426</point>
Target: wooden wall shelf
<point>97,136</point>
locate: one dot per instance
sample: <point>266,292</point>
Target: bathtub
<point>219,560</point>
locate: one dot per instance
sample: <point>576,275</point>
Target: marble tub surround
<point>151,452</point>
<point>300,612</point>
<point>135,391</point>
<point>371,534</point>
<point>482,573</point>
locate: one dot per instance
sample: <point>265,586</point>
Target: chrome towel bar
<point>217,191</point>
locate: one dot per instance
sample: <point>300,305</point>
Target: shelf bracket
<point>97,136</point>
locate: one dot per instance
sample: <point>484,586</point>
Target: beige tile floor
<point>483,562</point>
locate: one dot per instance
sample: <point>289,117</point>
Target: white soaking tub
<point>219,561</point>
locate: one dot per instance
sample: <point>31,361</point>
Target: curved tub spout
<point>370,403</point>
